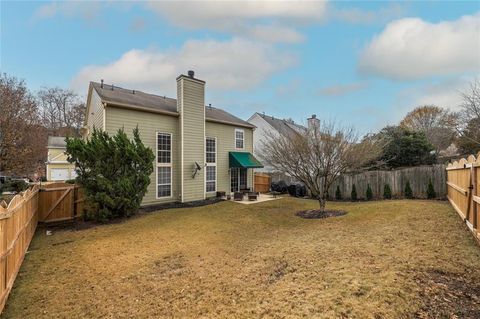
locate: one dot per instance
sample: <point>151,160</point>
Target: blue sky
<point>364,64</point>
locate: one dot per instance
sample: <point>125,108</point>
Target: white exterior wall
<point>259,137</point>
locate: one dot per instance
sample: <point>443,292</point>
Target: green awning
<point>243,160</point>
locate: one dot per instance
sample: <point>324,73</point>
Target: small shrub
<point>16,185</point>
<point>408,191</point>
<point>70,181</point>
<point>431,194</point>
<point>369,193</point>
<point>387,192</point>
<point>338,193</point>
<point>353,195</point>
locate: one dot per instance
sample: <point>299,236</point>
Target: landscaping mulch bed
<point>317,214</point>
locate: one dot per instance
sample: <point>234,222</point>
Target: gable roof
<point>281,125</point>
<point>56,142</point>
<point>114,95</point>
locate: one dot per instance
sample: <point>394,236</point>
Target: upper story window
<point>211,150</point>
<point>239,139</point>
<point>164,148</point>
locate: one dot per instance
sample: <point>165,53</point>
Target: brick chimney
<point>313,121</point>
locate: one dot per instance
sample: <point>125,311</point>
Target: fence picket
<point>462,190</point>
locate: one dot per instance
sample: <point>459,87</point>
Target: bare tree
<point>471,102</point>
<point>61,110</point>
<point>436,123</point>
<point>318,156</point>
<point>22,148</point>
<point>469,126</point>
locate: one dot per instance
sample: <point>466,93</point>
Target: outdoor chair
<point>252,196</point>
<point>238,196</point>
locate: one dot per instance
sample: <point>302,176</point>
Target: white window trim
<point>211,164</point>
<point>163,165</point>
<point>235,139</point>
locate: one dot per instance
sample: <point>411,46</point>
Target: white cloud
<point>270,21</point>
<point>412,48</point>
<point>235,64</point>
<point>227,14</point>
<point>87,10</point>
<point>358,16</point>
<point>446,94</point>
<point>342,89</point>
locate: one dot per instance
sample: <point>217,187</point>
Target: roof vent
<point>112,87</point>
<point>133,91</point>
<point>191,74</point>
<point>101,83</point>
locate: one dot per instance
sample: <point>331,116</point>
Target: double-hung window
<point>239,139</point>
<point>211,160</point>
<point>164,165</point>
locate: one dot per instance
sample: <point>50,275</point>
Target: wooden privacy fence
<point>60,202</point>
<point>18,222</point>
<point>262,183</point>
<point>463,190</point>
<point>418,176</point>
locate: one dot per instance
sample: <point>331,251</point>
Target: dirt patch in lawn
<point>448,295</point>
<point>317,214</point>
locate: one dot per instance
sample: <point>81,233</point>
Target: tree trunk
<point>322,202</point>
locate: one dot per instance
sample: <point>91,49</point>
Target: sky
<point>362,64</point>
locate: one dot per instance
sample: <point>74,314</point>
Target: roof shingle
<point>119,96</point>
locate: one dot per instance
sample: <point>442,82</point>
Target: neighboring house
<point>58,168</point>
<point>199,149</point>
<point>267,124</point>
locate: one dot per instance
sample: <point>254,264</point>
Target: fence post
<point>474,190</point>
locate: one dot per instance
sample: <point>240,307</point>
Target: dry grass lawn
<point>386,259</point>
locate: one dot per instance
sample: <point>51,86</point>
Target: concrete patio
<point>260,199</point>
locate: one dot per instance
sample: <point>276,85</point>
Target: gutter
<point>250,126</point>
<point>140,108</point>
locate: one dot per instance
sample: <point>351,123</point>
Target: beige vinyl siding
<point>57,154</point>
<point>149,124</point>
<point>225,135</point>
<point>95,116</point>
<point>192,118</point>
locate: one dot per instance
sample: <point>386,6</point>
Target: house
<point>199,149</point>
<point>267,124</point>
<point>58,168</point>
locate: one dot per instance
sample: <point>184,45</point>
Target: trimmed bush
<point>431,194</point>
<point>338,193</point>
<point>387,192</point>
<point>369,193</point>
<point>70,181</point>
<point>353,195</point>
<point>408,191</point>
<point>114,171</point>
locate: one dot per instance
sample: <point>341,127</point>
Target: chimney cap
<point>314,116</point>
<point>191,73</point>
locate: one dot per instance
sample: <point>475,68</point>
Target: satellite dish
<point>198,167</point>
